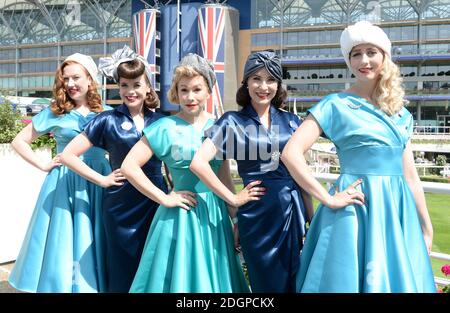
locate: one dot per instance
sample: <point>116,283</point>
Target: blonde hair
<point>389,93</point>
<point>62,102</point>
<point>180,72</point>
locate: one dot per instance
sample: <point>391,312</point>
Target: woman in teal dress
<point>372,232</point>
<point>190,246</point>
<point>63,248</point>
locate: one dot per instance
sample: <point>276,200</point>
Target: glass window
<point>431,31</point>
<point>112,94</point>
<point>7,54</point>
<point>410,86</point>
<point>7,68</point>
<point>303,38</point>
<point>113,46</point>
<point>409,33</point>
<point>408,71</point>
<point>38,52</point>
<point>404,49</point>
<point>429,112</point>
<point>273,39</point>
<point>292,38</point>
<point>259,39</point>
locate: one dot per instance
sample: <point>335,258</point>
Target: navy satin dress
<point>271,230</point>
<point>127,213</point>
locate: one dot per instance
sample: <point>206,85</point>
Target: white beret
<point>361,33</point>
<point>87,62</point>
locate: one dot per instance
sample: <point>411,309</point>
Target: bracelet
<point>234,220</point>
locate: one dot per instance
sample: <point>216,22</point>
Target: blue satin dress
<point>188,251</point>
<point>63,249</point>
<point>377,247</point>
<point>127,213</point>
<point>271,230</point>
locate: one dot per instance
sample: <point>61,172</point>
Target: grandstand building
<point>35,35</point>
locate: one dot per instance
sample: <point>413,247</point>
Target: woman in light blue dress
<point>372,232</point>
<point>63,248</point>
<point>190,245</point>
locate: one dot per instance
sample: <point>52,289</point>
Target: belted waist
<point>186,180</point>
<point>378,161</point>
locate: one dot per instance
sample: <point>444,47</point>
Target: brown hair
<point>180,72</point>
<point>62,102</point>
<point>243,97</point>
<point>132,70</point>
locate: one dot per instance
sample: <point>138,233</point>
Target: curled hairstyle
<point>62,102</point>
<point>132,70</point>
<point>389,93</point>
<point>243,97</point>
<point>180,72</point>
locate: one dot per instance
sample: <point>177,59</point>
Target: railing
<point>431,130</point>
<point>439,188</point>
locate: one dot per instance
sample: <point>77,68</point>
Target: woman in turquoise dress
<point>63,248</point>
<point>372,232</point>
<point>127,213</point>
<point>189,247</point>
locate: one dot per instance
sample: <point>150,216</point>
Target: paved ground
<point>5,269</point>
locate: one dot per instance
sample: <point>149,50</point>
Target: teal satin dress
<point>187,251</point>
<point>63,249</point>
<point>379,246</point>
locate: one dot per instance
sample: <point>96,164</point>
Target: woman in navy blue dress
<point>127,214</point>
<point>270,228</point>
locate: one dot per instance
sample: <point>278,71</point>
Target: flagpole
<point>178,30</point>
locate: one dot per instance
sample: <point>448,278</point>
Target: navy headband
<point>263,59</point>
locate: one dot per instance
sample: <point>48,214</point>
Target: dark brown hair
<point>62,102</point>
<point>243,97</point>
<point>132,70</point>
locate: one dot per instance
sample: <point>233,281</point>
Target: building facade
<point>36,35</point>
<point>311,57</point>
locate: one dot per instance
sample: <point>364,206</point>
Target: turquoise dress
<point>379,246</point>
<point>63,249</point>
<point>187,251</point>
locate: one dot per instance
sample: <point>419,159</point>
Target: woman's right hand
<point>349,196</point>
<point>115,178</point>
<point>249,193</point>
<point>182,199</point>
<point>56,161</point>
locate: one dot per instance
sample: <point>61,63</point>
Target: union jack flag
<point>211,25</point>
<point>144,27</point>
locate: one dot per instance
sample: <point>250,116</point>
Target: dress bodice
<point>116,132</point>
<point>241,136</point>
<point>65,127</point>
<point>367,140</point>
